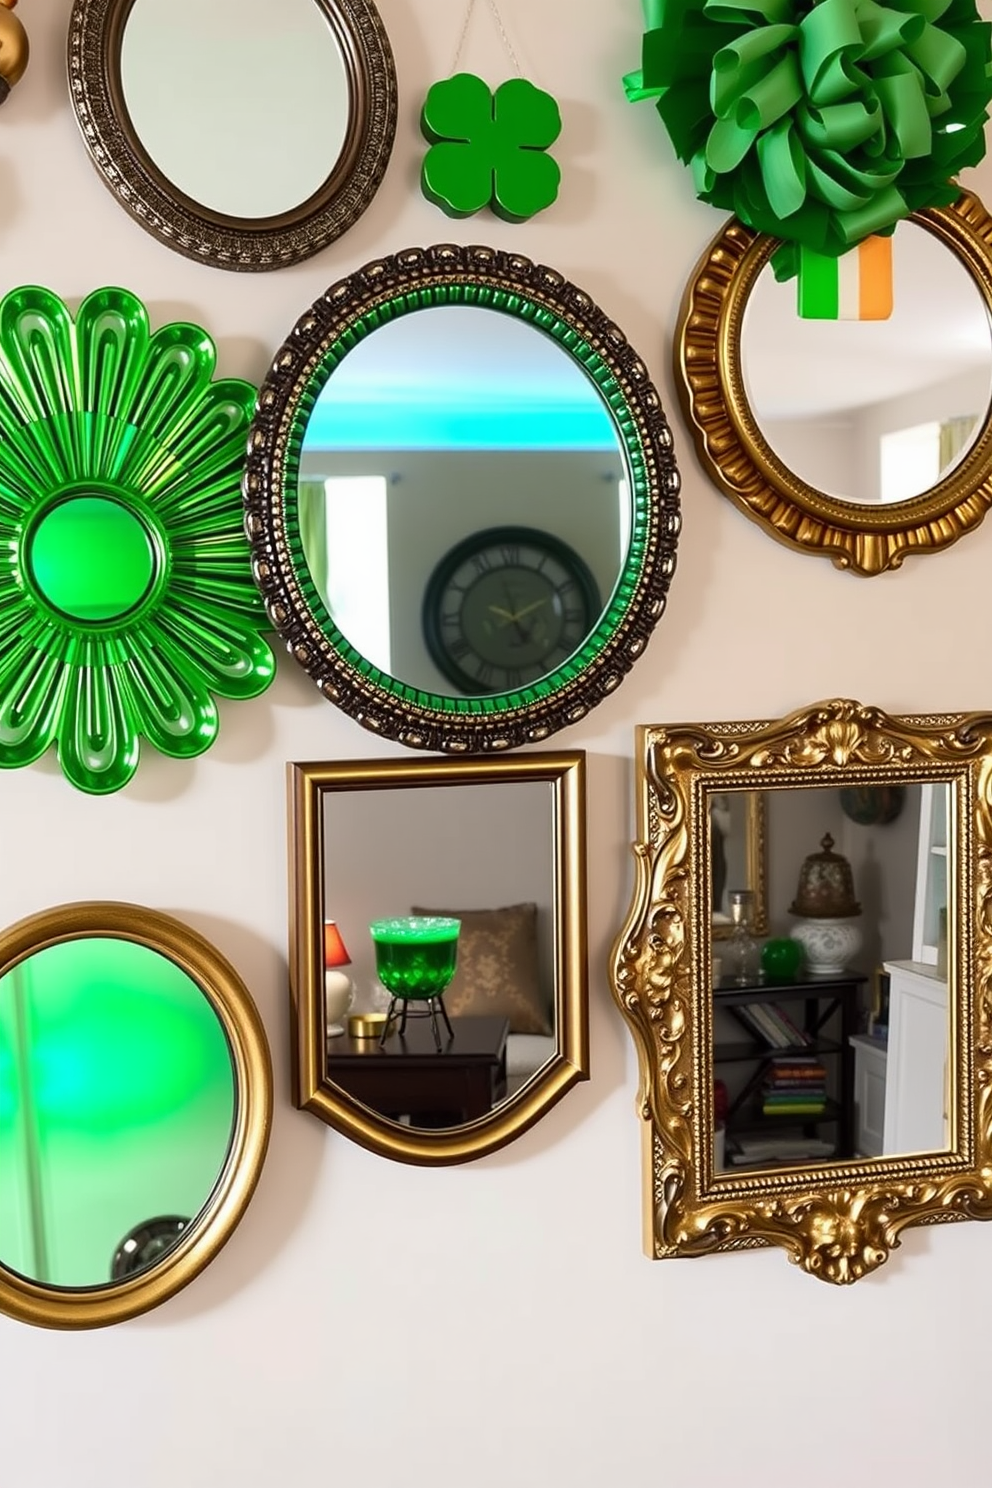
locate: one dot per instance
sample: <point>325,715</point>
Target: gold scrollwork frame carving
<point>313,1090</point>
<point>837,1220</point>
<point>866,539</point>
<point>97,1306</point>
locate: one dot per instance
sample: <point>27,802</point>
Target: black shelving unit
<point>828,1017</point>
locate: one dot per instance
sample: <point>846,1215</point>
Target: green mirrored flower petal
<point>112,336</point>
<point>98,742</point>
<point>32,685</point>
<point>220,649</point>
<point>178,369</point>
<point>210,570</point>
<point>36,334</point>
<point>205,448</point>
<point>177,714</point>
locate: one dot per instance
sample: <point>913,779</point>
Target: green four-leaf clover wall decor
<point>488,149</point>
<point>126,595</point>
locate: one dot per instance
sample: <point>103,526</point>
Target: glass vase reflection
<point>741,953</point>
<point>415,958</point>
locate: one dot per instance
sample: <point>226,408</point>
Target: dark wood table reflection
<point>408,1078</point>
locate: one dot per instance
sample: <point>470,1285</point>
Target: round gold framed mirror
<point>135,1104</point>
<point>861,441</point>
<point>242,134</point>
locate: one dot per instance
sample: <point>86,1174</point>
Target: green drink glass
<point>415,957</point>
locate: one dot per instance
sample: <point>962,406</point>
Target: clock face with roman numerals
<point>507,606</point>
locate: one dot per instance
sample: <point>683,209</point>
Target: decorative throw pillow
<point>497,972</point>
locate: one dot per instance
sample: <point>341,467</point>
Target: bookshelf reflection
<point>837,1050</point>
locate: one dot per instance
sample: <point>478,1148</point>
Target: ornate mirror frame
<point>837,1220</point>
<point>96,30</point>
<point>95,1307</point>
<point>865,539</point>
<point>352,309</point>
<point>309,783</point>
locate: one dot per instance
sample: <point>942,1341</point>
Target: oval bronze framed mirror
<point>860,440</point>
<point>242,134</point>
<point>135,1103</point>
<point>482,939</point>
<point>459,469</point>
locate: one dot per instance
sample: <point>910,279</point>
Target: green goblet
<point>415,958</point>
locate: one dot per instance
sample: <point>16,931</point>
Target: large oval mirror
<point>462,499</point>
<point>859,439</point>
<point>168,97</point>
<point>134,1106</point>
<point>440,996</point>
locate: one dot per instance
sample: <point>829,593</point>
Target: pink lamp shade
<point>334,949</point>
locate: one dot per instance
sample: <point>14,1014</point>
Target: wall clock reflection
<point>126,601</point>
<point>505,606</point>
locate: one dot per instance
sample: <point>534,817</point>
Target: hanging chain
<point>494,8</point>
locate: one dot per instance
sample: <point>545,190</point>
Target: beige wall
<point>373,1324</point>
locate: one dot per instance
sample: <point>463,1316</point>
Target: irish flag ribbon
<point>855,286</point>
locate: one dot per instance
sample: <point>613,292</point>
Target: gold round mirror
<point>135,1101</point>
<point>861,440</point>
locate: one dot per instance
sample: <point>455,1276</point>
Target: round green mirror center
<point>92,558</point>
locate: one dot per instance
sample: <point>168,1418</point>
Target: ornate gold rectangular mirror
<point>821,1099</point>
<point>394,866</point>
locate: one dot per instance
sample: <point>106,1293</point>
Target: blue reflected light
<point>439,424</point>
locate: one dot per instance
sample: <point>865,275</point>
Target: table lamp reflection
<point>339,989</point>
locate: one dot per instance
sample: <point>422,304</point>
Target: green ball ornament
<point>782,959</point>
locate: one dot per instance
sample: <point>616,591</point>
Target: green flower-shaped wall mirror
<point>126,597</point>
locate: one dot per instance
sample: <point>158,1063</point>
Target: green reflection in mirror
<point>91,558</point>
<point>117,1104</point>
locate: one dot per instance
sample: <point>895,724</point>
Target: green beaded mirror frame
<point>126,599</point>
<point>353,309</point>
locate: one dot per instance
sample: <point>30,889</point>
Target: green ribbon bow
<point>819,123</point>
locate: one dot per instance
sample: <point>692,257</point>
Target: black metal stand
<point>434,1006</point>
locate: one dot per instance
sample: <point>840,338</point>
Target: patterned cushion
<point>497,972</point>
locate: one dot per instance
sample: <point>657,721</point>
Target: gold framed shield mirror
<point>861,440</point>
<point>795,1105</point>
<point>242,134</point>
<point>135,1103</point>
<point>486,856</point>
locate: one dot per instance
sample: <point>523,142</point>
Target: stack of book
<point>757,1151</point>
<point>795,1086</point>
<point>772,1024</point>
